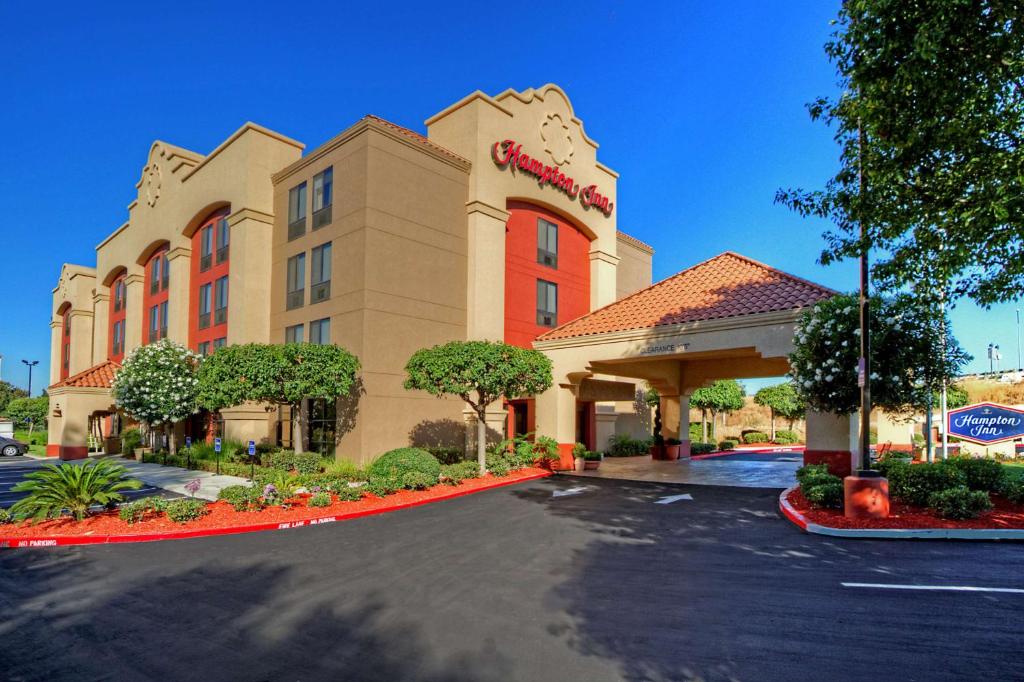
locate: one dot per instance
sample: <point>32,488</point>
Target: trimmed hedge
<point>981,474</point>
<point>302,462</point>
<point>786,437</point>
<point>622,445</point>
<point>454,474</point>
<point>184,509</point>
<point>755,437</point>
<point>959,503</point>
<point>727,445</point>
<point>411,468</point>
<point>826,494</point>
<point>914,484</point>
<point>702,448</point>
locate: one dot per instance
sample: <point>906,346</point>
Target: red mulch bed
<point>1004,514</point>
<point>221,514</point>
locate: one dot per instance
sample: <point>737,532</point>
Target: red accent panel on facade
<point>200,277</point>
<point>572,274</point>
<point>65,344</point>
<point>118,314</point>
<point>66,452</point>
<point>149,297</point>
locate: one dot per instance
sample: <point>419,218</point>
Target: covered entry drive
<point>728,317</point>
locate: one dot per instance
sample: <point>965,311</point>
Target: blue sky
<point>699,106</point>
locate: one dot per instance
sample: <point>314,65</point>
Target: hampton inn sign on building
<point>499,223</point>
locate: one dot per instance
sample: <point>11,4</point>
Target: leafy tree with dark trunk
<point>782,400</point>
<point>479,372</point>
<point>9,392</point>
<point>283,374</point>
<point>30,411</point>
<point>932,112</point>
<point>725,395</point>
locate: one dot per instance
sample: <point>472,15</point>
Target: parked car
<point>10,447</point>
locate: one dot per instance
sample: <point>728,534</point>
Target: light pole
<point>1019,366</point>
<point>30,366</point>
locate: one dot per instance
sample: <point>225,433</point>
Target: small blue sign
<point>986,423</point>
<point>252,448</point>
<point>216,444</point>
<point>188,441</point>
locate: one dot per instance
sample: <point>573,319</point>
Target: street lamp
<point>1019,365</point>
<point>994,356</point>
<point>30,366</point>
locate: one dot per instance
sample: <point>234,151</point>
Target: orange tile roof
<point>417,137</point>
<point>100,376</point>
<point>728,285</point>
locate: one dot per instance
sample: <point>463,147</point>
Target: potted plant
<point>592,460</point>
<point>672,446</point>
<point>579,456</point>
<point>658,443</point>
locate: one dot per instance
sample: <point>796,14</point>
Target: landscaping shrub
<point>454,474</point>
<point>702,448</point>
<point>826,493</point>
<point>55,488</point>
<point>136,511</point>
<point>320,500</point>
<point>407,467</point>
<point>242,497</point>
<point>1013,491</point>
<point>959,503</point>
<point>130,439</point>
<point>623,445</point>
<point>204,451</point>
<point>5,516</point>
<point>343,468</point>
<point>981,473</point>
<point>383,485</point>
<point>786,437</point>
<point>302,462</point>
<point>185,509</point>
<point>806,474</point>
<point>914,484</point>
<point>347,494</point>
<point>696,433</point>
<point>447,455</point>
<point>498,463</point>
<point>755,437</point>
<point>727,445</point>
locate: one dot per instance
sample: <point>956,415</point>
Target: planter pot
<point>139,452</point>
<point>657,452</point>
<point>672,452</point>
<point>590,465</point>
<point>580,464</point>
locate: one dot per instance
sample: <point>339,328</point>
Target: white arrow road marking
<point>570,491</point>
<point>673,498</point>
<point>952,588</point>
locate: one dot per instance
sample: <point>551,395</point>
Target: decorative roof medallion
<point>557,140</point>
<point>153,179</point>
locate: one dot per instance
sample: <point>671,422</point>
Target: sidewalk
<point>175,478</point>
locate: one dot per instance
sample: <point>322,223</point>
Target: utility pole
<point>864,363</point>
<point>1019,366</point>
<point>30,366</point>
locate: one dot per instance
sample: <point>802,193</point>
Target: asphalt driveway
<point>13,470</point>
<point>558,579</point>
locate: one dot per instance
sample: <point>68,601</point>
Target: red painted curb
<point>748,451</point>
<point>787,509</point>
<point>70,540</point>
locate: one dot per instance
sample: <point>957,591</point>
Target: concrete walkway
<point>175,478</point>
<point>724,471</point>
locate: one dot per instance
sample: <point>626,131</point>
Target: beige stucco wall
<point>635,266</point>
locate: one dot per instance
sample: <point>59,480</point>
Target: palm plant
<point>55,488</point>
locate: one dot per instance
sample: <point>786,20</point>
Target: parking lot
<point>13,470</point>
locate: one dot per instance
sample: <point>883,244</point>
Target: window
<point>204,306</point>
<point>323,418</point>
<point>322,195</point>
<point>165,272</point>
<point>296,282</point>
<point>154,275</point>
<point>320,277</point>
<point>117,345</point>
<point>223,239</point>
<point>320,331</point>
<point>547,243</point>
<point>67,323</point>
<point>204,348</point>
<point>547,303</point>
<point>206,248</point>
<point>67,356</point>
<point>163,320</point>
<point>119,292</point>
<point>297,211</point>
<point>293,334</point>
<point>220,308</point>
<point>154,327</point>
<point>220,343</point>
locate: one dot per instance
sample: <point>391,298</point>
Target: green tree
<point>782,400</point>
<point>281,374</point>
<point>723,396</point>
<point>157,385</point>
<point>931,111</point>
<point>30,411</point>
<point>479,372</point>
<point>907,361</point>
<point>9,392</point>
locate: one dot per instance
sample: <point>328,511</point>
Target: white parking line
<point>673,498</point>
<point>570,491</point>
<point>939,588</point>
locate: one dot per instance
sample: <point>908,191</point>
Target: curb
<point>801,522</point>
<point>747,450</point>
<point>72,540</point>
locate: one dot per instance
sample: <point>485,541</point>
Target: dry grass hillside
<point>988,390</point>
<point>750,416</point>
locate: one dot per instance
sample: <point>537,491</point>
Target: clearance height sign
<point>509,154</point>
<point>986,423</point>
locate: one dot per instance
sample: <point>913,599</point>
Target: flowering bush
<point>907,362</point>
<point>157,383</point>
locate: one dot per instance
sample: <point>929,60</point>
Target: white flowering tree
<point>157,385</point>
<point>907,358</point>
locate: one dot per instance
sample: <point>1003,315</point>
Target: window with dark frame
<point>206,248</point>
<point>296,294</point>
<point>547,243</point>
<point>154,276</point>
<point>323,186</point>
<point>220,342</point>
<point>165,272</point>
<point>297,211</point>
<point>320,276</point>
<point>154,328</point>
<point>204,348</point>
<point>163,320</point>
<point>220,301</point>
<point>547,303</point>
<point>293,334</point>
<point>204,306</point>
<point>320,331</point>
<point>119,295</point>
<point>223,239</point>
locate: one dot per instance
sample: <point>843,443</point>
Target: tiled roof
<point>100,376</point>
<point>728,285</point>
<point>413,135</point>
